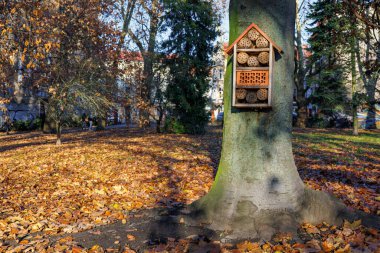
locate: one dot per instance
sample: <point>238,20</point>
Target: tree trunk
<point>7,127</point>
<point>49,125</point>
<point>102,124</point>
<point>257,189</point>
<point>300,75</point>
<point>158,126</point>
<point>115,117</point>
<point>128,117</point>
<point>147,88</point>
<point>369,79</point>
<point>371,102</point>
<point>355,120</point>
<point>159,120</point>
<point>59,133</point>
<point>354,88</point>
<point>149,55</point>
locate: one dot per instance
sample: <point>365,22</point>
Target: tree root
<point>314,207</point>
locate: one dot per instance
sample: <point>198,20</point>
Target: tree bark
<point>257,190</point>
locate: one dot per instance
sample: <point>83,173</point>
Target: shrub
<point>26,125</point>
<point>172,125</point>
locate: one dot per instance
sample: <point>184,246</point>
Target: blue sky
<point>225,26</point>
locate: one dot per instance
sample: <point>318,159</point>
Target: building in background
<point>218,70</point>
<point>25,98</point>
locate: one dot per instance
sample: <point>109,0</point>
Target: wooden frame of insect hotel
<point>253,60</point>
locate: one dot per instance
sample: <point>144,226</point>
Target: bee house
<point>253,60</point>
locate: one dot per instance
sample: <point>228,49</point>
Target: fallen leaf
<point>131,237</point>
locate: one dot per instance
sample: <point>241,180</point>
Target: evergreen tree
<point>327,44</point>
<point>190,44</point>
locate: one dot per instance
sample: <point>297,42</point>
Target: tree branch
<point>136,40</point>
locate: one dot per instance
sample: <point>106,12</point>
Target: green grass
<point>336,138</point>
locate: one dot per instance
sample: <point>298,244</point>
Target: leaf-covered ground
<point>344,165</point>
<point>96,178</point>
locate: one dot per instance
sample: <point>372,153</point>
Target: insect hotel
<point>253,58</point>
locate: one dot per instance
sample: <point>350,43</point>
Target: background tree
<point>257,189</point>
<point>325,42</point>
<point>336,65</point>
<point>80,76</point>
<point>144,32</point>
<point>64,49</point>
<point>192,30</point>
<point>121,13</point>
<point>353,32</point>
<point>160,101</point>
<point>366,16</point>
<point>301,66</point>
<point>125,9</point>
<point>23,40</point>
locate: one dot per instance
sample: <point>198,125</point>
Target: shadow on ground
<point>147,229</point>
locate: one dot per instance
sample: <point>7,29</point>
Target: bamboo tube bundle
<point>253,61</point>
<point>241,93</point>
<point>245,43</point>
<point>263,57</point>
<point>262,94</point>
<point>262,42</point>
<point>253,34</point>
<point>242,58</point>
<point>251,97</point>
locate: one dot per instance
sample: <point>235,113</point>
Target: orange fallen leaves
<point>327,246</point>
<point>247,246</point>
<point>97,178</point>
<point>311,229</point>
<point>76,250</point>
<point>131,237</point>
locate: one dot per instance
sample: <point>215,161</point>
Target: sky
<point>225,26</point>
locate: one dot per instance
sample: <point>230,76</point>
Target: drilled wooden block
<point>252,78</point>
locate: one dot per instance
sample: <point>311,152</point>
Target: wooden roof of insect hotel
<point>229,50</point>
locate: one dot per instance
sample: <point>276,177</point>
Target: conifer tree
<point>193,30</point>
<point>327,46</point>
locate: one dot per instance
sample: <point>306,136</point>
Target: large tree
<point>257,188</point>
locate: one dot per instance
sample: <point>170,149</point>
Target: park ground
<point>50,193</point>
